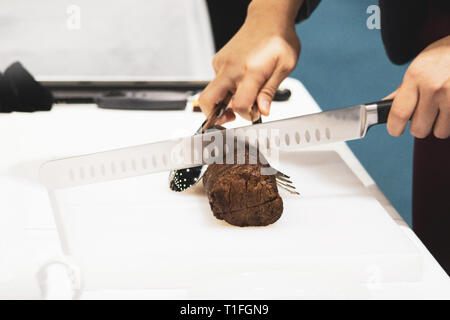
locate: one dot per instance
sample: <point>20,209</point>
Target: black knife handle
<point>383,109</point>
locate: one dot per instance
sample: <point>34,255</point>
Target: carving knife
<point>293,133</point>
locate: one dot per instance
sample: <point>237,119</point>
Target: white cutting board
<point>137,234</point>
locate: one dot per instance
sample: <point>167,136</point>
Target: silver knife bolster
<point>371,115</point>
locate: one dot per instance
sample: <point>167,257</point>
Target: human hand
<point>257,59</point>
<point>424,94</point>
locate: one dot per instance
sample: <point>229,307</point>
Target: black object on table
<point>19,91</point>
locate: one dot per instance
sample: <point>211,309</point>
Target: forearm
<point>256,60</point>
<point>277,12</point>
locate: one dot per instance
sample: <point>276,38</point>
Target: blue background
<point>343,63</point>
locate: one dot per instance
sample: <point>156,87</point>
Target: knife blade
<point>319,128</point>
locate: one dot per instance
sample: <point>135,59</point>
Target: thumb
<point>266,94</point>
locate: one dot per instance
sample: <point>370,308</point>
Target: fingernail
<point>264,105</point>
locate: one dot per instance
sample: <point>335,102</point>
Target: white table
<point>31,139</point>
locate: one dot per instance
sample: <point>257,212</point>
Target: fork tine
<point>285,183</point>
<point>287,187</point>
<point>282,174</point>
<point>281,178</point>
<point>288,190</point>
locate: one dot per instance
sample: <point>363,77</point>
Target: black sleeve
<point>307,8</point>
<point>407,27</point>
<point>401,22</point>
<point>227,16</point>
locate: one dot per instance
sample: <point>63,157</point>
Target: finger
<point>216,91</point>
<point>269,89</point>
<point>391,95</point>
<point>424,115</point>
<point>226,117</point>
<point>402,108</point>
<point>442,126</point>
<point>254,113</point>
<point>245,96</point>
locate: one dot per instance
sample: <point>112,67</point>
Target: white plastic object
<point>59,279</point>
<point>137,234</point>
<point>153,39</point>
<point>18,259</point>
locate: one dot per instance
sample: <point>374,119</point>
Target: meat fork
<point>180,180</point>
<point>283,180</point>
